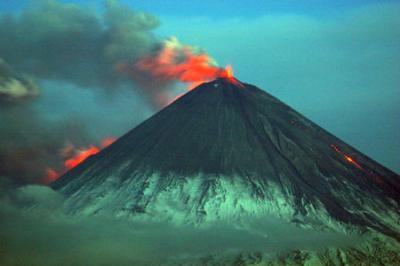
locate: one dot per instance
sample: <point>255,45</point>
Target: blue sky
<point>337,62</point>
<point>223,8</point>
<point>249,8</point>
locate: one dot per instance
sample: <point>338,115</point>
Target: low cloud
<point>34,228</point>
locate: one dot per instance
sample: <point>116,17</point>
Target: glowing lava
<point>227,73</point>
<point>377,178</point>
<point>51,175</point>
<point>347,157</point>
<point>74,157</point>
<point>81,156</point>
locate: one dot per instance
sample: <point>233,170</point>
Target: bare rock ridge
<point>226,149</point>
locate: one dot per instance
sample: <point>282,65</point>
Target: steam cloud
<point>44,235</point>
<point>71,44</point>
<point>14,87</point>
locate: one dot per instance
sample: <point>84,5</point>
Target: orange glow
<point>74,157</point>
<point>376,178</point>
<point>351,160</point>
<point>227,73</point>
<point>177,62</point>
<point>51,175</point>
<point>175,98</point>
<point>347,157</point>
<point>336,149</point>
<point>180,64</point>
<point>107,141</point>
<point>81,156</point>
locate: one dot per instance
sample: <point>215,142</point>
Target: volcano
<point>228,150</point>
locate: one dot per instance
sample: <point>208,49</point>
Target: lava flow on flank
<point>347,157</point>
<point>74,156</point>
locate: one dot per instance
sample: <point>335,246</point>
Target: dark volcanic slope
<point>224,128</point>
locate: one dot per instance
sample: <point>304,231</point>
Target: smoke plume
<point>105,52</point>
<point>51,40</point>
<point>172,62</point>
<point>29,143</point>
<point>68,42</point>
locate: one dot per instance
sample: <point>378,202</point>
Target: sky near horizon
<point>336,62</point>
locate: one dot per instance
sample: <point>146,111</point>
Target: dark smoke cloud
<point>44,235</point>
<point>69,45</point>
<point>68,42</point>
<point>30,144</point>
<point>65,44</point>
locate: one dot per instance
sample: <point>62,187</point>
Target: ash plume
<point>30,144</point>
<point>51,40</point>
<point>172,61</point>
<point>66,44</point>
<point>70,44</point>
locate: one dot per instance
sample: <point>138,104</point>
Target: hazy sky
<point>336,62</point>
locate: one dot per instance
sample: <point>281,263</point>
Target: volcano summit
<point>228,150</point>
